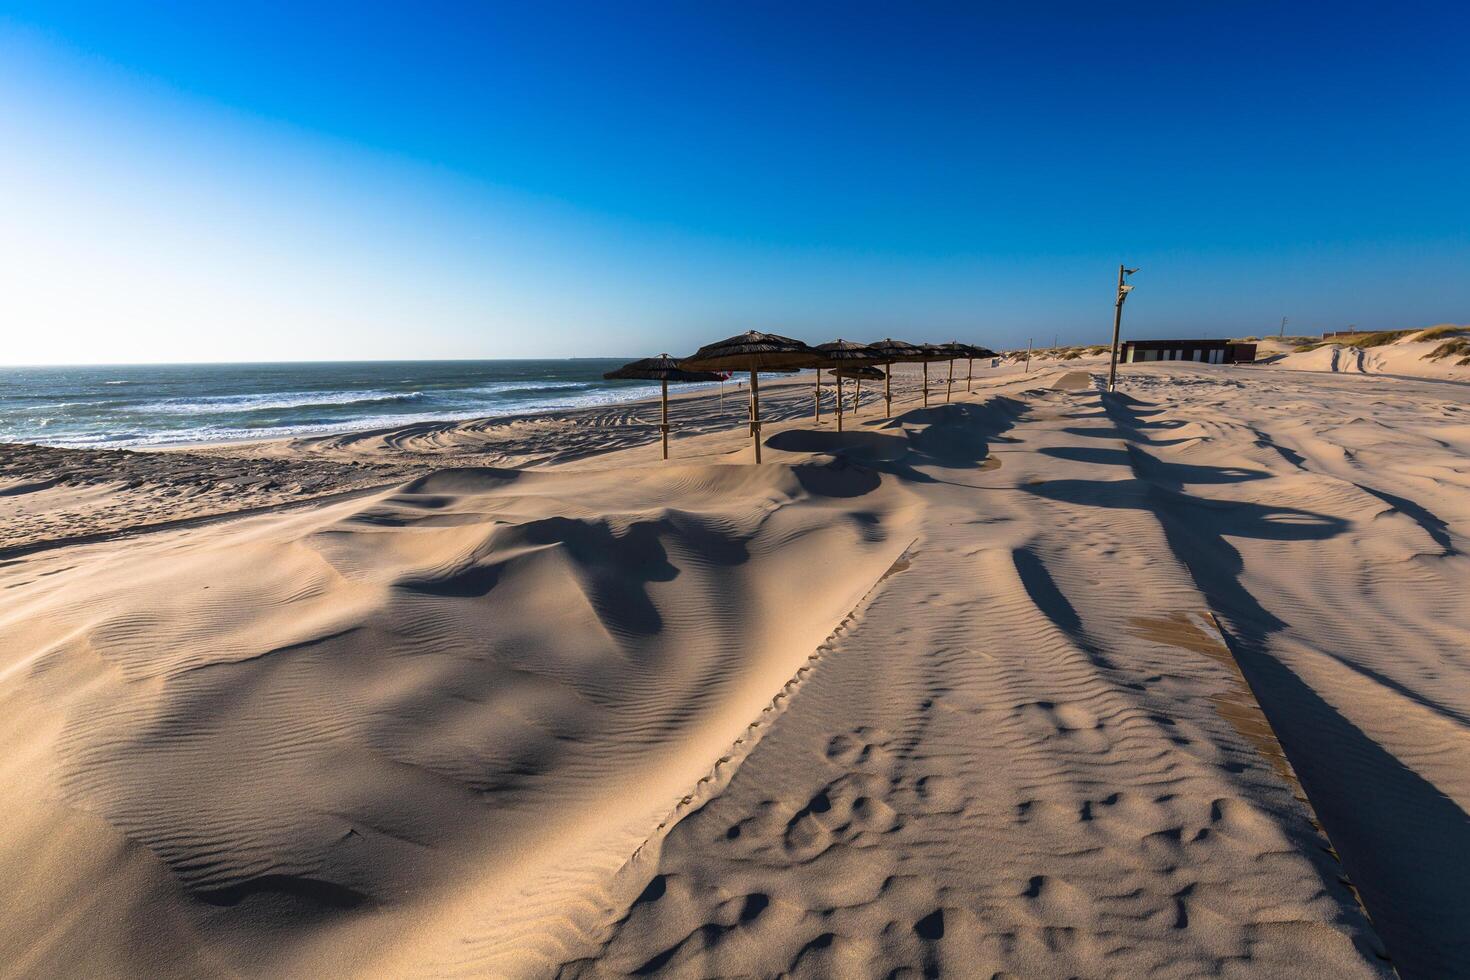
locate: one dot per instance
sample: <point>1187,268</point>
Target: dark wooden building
<point>1204,351</point>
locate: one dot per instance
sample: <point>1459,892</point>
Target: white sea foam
<point>170,406</point>
<point>500,409</point>
<point>270,401</point>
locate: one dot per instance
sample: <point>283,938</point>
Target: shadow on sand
<point>953,437</point>
<point>1403,841</point>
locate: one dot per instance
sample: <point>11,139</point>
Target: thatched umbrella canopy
<point>753,351</point>
<point>857,372</point>
<point>954,350</point>
<point>892,351</point>
<point>972,352</point>
<point>662,369</point>
<point>842,354</point>
<point>924,353</point>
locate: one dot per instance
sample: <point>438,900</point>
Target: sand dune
<point>495,670</point>
<point>1038,683</point>
<point>1409,356</point>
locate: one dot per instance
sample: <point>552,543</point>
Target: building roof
<point>1186,343</point>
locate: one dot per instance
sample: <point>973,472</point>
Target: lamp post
<point>1123,291</point>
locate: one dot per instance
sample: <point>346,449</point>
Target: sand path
<point>1030,755</point>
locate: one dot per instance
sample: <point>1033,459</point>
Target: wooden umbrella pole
<point>970,384</point>
<point>888,391</point>
<point>857,396</point>
<point>926,384</point>
<point>755,411</point>
<point>817,397</point>
<point>839,403</point>
<point>664,427</point>
<point>949,382</point>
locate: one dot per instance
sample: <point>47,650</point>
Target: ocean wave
<point>529,386</point>
<point>178,408</point>
<point>208,433</point>
<point>272,401</point>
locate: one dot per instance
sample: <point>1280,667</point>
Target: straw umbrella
<point>662,369</point>
<point>891,352</point>
<point>955,350</point>
<point>972,352</point>
<point>817,397</point>
<point>858,373</point>
<point>925,354</point>
<point>844,354</point>
<point>753,351</point>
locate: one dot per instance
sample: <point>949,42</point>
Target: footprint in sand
<point>860,746</point>
<point>844,810</point>
<point>941,794</point>
<point>1066,720</point>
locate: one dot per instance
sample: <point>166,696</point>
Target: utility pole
<point>1123,291</point>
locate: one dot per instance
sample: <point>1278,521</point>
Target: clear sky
<point>201,181</point>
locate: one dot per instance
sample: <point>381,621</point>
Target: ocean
<point>158,405</point>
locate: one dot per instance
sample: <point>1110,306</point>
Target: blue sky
<point>263,181</point>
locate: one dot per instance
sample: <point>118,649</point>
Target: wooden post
<point>664,428</point>
<point>926,384</point>
<point>888,390</point>
<point>1028,358</point>
<point>839,403</point>
<point>817,397</point>
<point>949,382</point>
<point>857,396</point>
<point>970,383</point>
<point>1117,327</point>
<point>755,411</point>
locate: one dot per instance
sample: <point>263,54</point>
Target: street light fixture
<point>1123,290</point>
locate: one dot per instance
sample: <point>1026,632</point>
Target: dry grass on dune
<point>1382,338</point>
<point>1434,352</point>
<point>1451,348</point>
<point>1443,330</point>
<point>1455,344</point>
<point>1379,339</point>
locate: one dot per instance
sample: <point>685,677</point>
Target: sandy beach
<point>1039,682</point>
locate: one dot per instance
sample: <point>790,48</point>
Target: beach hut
<point>844,354</point>
<point>662,369</point>
<point>753,351</point>
<point>891,352</point>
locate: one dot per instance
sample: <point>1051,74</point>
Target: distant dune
<point>1435,352</point>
